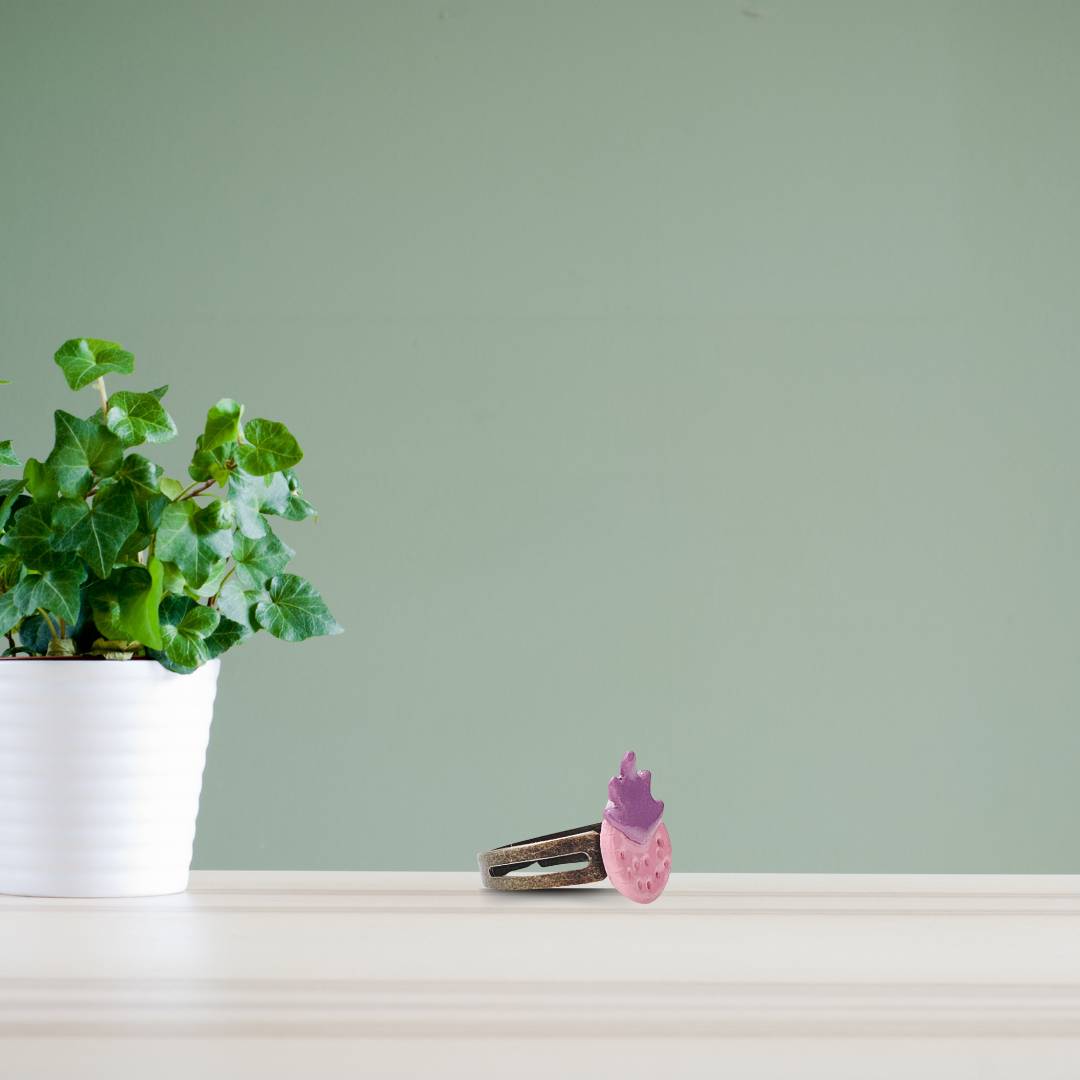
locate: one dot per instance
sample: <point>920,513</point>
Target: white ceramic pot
<point>101,766</point>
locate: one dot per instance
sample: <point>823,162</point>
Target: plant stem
<point>100,384</point>
<point>187,493</point>
<point>212,602</point>
<point>48,623</point>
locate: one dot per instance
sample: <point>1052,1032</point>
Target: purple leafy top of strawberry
<point>631,807</point>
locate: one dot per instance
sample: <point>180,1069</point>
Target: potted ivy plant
<point>120,588</point>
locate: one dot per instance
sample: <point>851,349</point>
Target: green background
<point>694,377</point>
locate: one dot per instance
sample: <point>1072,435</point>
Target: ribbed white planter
<point>101,766</point>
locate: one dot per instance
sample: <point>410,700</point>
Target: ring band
<point>497,866</point>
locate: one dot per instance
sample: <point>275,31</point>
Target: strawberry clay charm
<point>634,842</point>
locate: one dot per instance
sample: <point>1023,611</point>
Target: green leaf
<point>211,464</point>
<point>185,626</point>
<point>41,481</point>
<point>268,447</point>
<point>171,489</point>
<point>9,492</point>
<point>84,449</point>
<point>174,580</point>
<point>35,635</point>
<point>245,503</point>
<point>145,479</point>
<point>295,610</point>
<point>239,603</point>
<point>227,634</point>
<point>9,612</point>
<point>259,560</point>
<point>214,516</point>
<point>275,498</point>
<point>222,424</point>
<point>297,508</point>
<point>85,359</point>
<point>31,535</point>
<point>56,591</point>
<point>211,585</point>
<point>133,547</point>
<point>285,497</point>
<point>125,605</point>
<point>253,496</point>
<point>10,569</point>
<point>8,456</point>
<point>97,532</point>
<point>139,603</point>
<point>195,539</point>
<point>138,418</point>
<point>143,475</point>
<point>160,392</point>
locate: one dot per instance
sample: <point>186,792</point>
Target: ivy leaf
<point>297,508</point>
<point>8,456</point>
<point>268,447</point>
<point>138,418</point>
<point>9,492</point>
<point>295,610</point>
<point>9,612</point>
<point>56,591</point>
<point>222,424</point>
<point>35,635</point>
<point>195,539</point>
<point>140,597</point>
<point>145,479</point>
<point>97,532</point>
<point>214,516</point>
<point>41,481</point>
<point>171,489</point>
<point>174,580</point>
<point>125,605</point>
<point>143,475</point>
<point>285,497</point>
<point>211,585</point>
<point>84,448</point>
<point>239,603</point>
<point>10,569</point>
<point>185,626</point>
<point>31,535</point>
<point>226,634</point>
<point>85,359</point>
<point>160,392</point>
<point>211,464</point>
<point>244,499</point>
<point>275,499</point>
<point>253,496</point>
<point>259,560</point>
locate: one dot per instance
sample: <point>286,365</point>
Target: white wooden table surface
<point>326,974</point>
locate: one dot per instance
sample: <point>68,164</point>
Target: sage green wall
<point>695,377</point>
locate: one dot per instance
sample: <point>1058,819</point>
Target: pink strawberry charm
<point>634,842</point>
